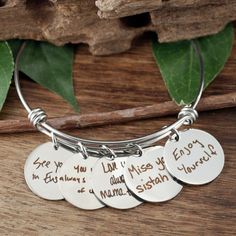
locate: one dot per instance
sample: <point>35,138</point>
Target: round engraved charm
<point>75,182</point>
<point>41,170</point>
<point>147,177</point>
<point>196,158</point>
<point>109,185</point>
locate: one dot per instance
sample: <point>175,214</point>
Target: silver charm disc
<point>109,185</point>
<point>196,158</point>
<point>75,182</point>
<point>41,169</point>
<point>147,177</point>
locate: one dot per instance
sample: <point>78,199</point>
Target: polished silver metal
<point>83,150</point>
<point>148,178</point>
<point>174,135</point>
<point>75,182</point>
<point>121,148</point>
<point>109,186</point>
<point>196,158</point>
<point>37,116</point>
<point>41,170</point>
<point>139,149</point>
<point>54,141</point>
<point>107,152</point>
<point>190,112</point>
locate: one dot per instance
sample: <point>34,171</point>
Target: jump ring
<point>108,152</point>
<point>139,149</point>
<point>54,141</point>
<point>175,135</point>
<point>83,150</point>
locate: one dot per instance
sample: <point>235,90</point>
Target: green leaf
<point>50,66</point>
<point>6,71</point>
<point>14,45</point>
<point>179,64</point>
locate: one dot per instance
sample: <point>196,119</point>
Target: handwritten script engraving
<point>208,152</point>
<point>197,158</point>
<point>42,168</point>
<point>109,184</point>
<point>75,182</point>
<point>148,178</point>
<point>150,181</point>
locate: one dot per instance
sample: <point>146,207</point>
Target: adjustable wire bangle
<point>97,148</point>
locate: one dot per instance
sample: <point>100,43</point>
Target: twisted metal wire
<point>112,149</point>
<point>37,116</point>
<point>189,112</point>
<point>83,150</point>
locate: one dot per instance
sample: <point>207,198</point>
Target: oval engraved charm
<point>147,177</point>
<point>75,182</point>
<point>41,170</point>
<point>109,185</point>
<point>196,158</point>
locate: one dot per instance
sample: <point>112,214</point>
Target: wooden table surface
<point>105,84</point>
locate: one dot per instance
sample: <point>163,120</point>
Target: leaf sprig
<point>179,64</point>
<point>46,64</point>
<point>6,70</point>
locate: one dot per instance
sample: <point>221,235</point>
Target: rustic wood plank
<point>119,116</point>
<point>73,21</point>
<point>105,84</point>
<point>122,8</point>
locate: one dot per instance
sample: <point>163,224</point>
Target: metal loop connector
<point>174,135</point>
<point>190,114</point>
<point>82,149</point>
<point>55,142</point>
<point>37,116</point>
<point>138,149</point>
<point>108,153</point>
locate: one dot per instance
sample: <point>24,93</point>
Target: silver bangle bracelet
<point>96,148</point>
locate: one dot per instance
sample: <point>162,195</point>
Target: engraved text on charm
<point>147,177</point>
<point>75,182</point>
<point>196,158</point>
<point>109,185</point>
<point>41,170</point>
